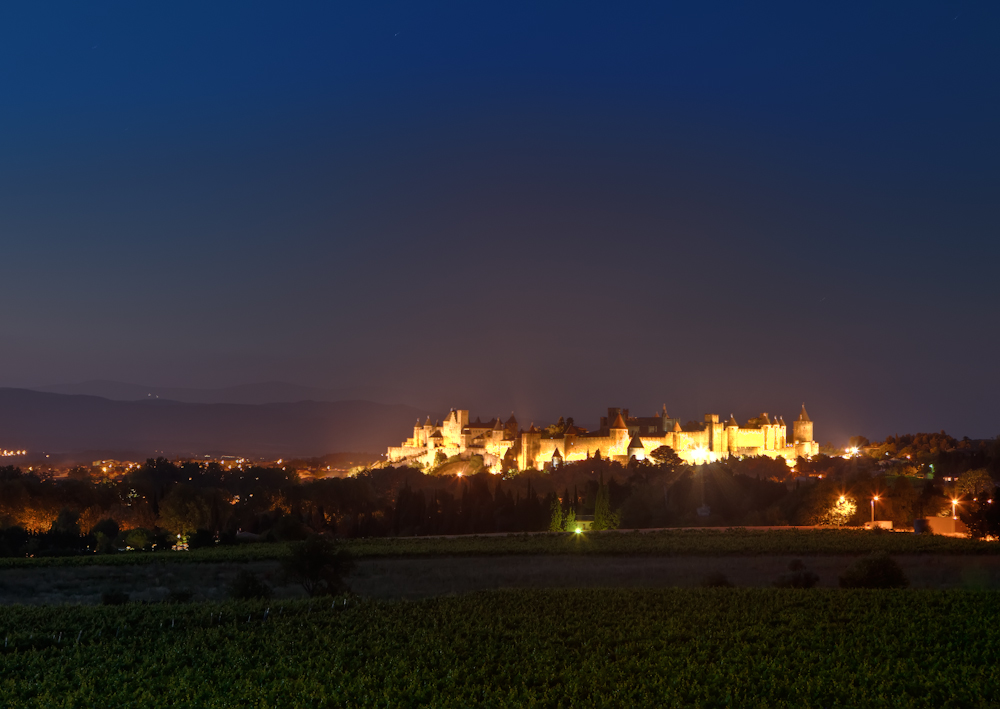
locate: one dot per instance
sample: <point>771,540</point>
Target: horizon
<point>590,420</point>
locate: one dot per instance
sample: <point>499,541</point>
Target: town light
<point>579,530</point>
<point>874,500</point>
<point>954,504</point>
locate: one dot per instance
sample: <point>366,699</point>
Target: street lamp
<point>954,504</point>
<point>874,500</point>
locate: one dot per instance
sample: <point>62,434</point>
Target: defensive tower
<point>802,429</point>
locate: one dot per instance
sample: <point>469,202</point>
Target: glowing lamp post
<point>954,504</point>
<point>874,500</point>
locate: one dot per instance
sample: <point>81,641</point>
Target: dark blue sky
<point>552,209</point>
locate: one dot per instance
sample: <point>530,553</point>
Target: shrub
<point>797,576</point>
<point>318,565</point>
<point>103,544</point>
<point>288,529</point>
<point>179,597</point>
<point>107,527</point>
<point>716,579</point>
<point>13,541</point>
<point>874,571</point>
<point>247,585</point>
<point>138,539</point>
<point>114,597</point>
<point>201,539</point>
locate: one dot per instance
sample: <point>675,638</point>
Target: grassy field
<point>660,543</point>
<point>707,647</point>
<point>678,543</point>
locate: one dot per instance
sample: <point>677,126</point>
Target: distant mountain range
<point>41,421</point>
<point>260,393</point>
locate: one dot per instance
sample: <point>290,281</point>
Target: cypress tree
<point>604,518</point>
<point>569,521</point>
<point>556,523</point>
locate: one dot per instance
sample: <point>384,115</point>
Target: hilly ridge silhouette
<point>40,421</point>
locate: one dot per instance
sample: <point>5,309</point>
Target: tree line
<point>162,503</point>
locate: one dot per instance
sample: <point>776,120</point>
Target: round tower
<point>636,449</point>
<point>802,428</point>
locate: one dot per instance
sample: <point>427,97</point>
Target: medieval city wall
<point>747,438</point>
<point>454,437</point>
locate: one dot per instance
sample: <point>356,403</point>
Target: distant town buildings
<point>621,437</point>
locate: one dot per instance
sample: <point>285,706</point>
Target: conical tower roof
<point>619,422</point>
<point>428,421</point>
<point>498,426</point>
<point>804,416</point>
<point>677,427</point>
<point>636,444</point>
<point>732,421</point>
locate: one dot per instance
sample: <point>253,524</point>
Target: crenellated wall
<point>714,441</point>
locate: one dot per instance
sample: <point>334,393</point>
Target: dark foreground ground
<point>579,648</point>
<point>423,577</point>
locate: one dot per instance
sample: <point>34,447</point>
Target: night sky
<point>551,209</point>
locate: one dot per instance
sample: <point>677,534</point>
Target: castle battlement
<point>503,445</point>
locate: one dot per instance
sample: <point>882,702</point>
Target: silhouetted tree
<point>318,565</point>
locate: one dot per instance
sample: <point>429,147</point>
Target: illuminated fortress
<point>620,437</point>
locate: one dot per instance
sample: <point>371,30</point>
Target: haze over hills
<point>257,393</point>
<point>41,421</point>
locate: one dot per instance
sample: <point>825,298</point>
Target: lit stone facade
<point>620,437</point>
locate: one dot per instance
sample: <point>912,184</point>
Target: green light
<point>579,530</point>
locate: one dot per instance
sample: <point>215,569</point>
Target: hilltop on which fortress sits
<point>504,445</point>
